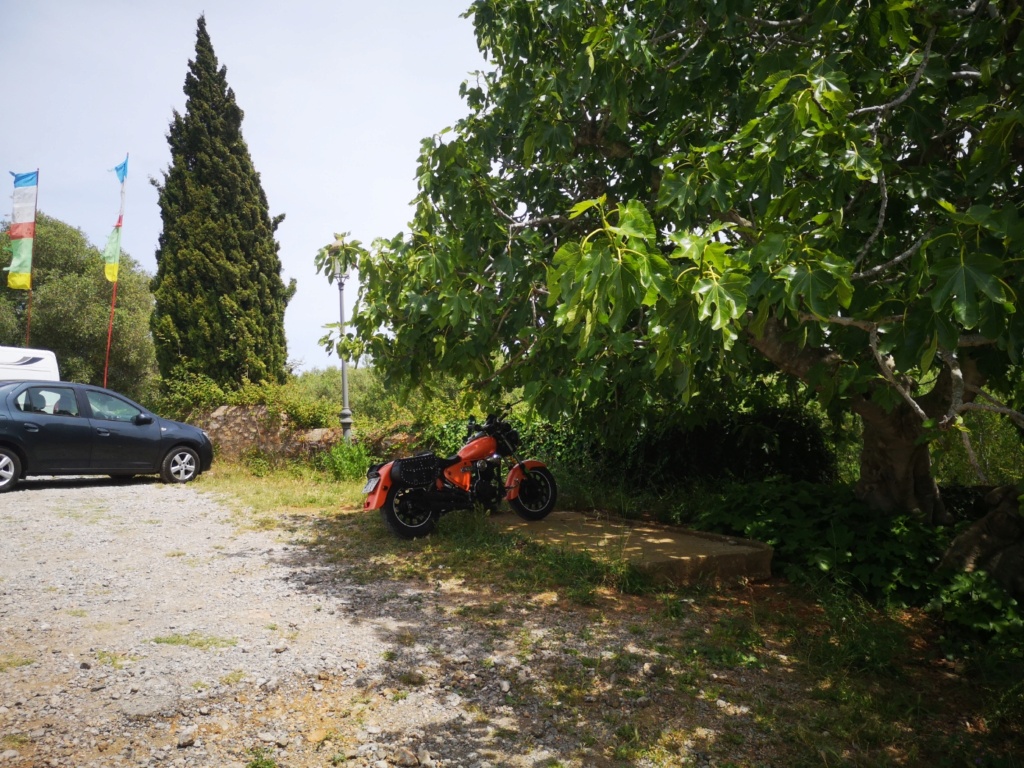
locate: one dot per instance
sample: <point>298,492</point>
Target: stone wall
<point>237,430</point>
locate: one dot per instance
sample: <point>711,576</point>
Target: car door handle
<point>29,427</point>
<point>102,432</point>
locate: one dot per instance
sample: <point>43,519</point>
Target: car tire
<point>180,465</point>
<point>10,469</point>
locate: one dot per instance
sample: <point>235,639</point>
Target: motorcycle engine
<point>485,488</point>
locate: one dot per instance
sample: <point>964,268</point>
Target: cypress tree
<point>220,299</point>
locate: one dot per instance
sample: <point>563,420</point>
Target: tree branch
<point>970,10</point>
<point>886,370</point>
<point>956,401</point>
<point>972,457</point>
<point>881,220</point>
<point>869,273</point>
<point>997,407</point>
<point>852,322</point>
<point>1015,416</point>
<point>975,340</point>
<point>909,89</point>
<point>788,357</point>
<point>775,24</point>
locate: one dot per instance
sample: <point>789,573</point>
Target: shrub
<point>345,461</point>
<point>754,445</point>
<point>825,534</point>
<point>976,602</point>
<point>819,529</point>
<point>186,396</point>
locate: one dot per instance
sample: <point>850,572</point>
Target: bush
<point>187,396</point>
<point>755,445</point>
<point>819,529</point>
<point>976,602</point>
<point>824,534</point>
<point>345,461</point>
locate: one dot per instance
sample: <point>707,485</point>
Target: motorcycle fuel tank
<point>480,448</point>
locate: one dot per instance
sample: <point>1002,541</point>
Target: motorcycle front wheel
<point>406,515</point>
<point>537,494</point>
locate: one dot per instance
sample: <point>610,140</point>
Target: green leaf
<point>636,221</point>
<point>778,81</point>
<point>809,288</point>
<point>961,279</point>
<point>929,353</point>
<point>584,206</point>
<point>721,300</point>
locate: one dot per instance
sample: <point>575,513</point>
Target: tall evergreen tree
<point>220,299</point>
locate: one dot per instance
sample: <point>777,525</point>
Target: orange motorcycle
<point>412,493</point>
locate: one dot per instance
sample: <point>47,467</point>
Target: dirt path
<point>140,627</point>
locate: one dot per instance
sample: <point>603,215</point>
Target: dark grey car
<point>61,428</point>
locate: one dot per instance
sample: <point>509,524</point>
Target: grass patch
<point>114,659</point>
<point>15,740</point>
<point>265,503</point>
<point>233,678</point>
<point>467,545</point>
<point>9,661</point>
<point>786,675</point>
<point>196,640</point>
<point>261,758</point>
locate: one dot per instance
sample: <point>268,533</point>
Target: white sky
<point>337,95</point>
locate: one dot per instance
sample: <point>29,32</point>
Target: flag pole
<point>110,332</point>
<point>111,257</point>
<point>28,316</point>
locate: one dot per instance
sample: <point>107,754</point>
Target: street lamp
<point>346,414</point>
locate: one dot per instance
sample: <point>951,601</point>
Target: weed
<point>10,661</point>
<point>113,659</point>
<point>232,678</point>
<point>261,758</point>
<point>405,638</point>
<point>413,678</point>
<point>196,640</point>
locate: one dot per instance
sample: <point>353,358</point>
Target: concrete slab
<point>671,555</point>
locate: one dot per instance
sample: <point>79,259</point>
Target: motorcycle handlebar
<point>473,426</point>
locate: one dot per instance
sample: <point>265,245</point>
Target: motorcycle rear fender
<point>516,475</point>
<point>375,498</point>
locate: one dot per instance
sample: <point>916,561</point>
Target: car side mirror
<point>142,419</point>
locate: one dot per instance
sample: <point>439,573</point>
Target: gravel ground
<point>140,627</point>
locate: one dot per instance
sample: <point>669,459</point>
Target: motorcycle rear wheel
<point>406,516</point>
<point>537,495</point>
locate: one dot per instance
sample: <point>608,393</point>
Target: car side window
<point>111,408</point>
<point>55,401</point>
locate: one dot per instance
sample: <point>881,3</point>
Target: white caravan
<point>19,364</point>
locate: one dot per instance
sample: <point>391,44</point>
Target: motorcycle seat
<point>450,461</point>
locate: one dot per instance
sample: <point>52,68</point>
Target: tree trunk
<point>895,463</point>
<point>895,467</point>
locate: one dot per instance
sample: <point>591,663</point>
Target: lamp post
<point>346,414</point>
